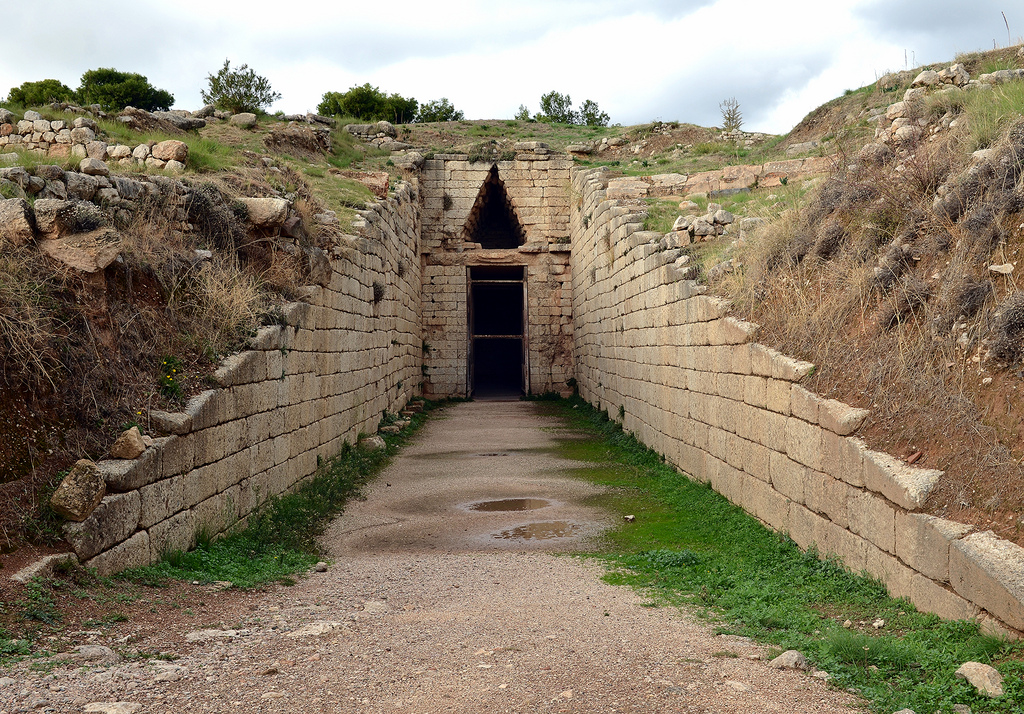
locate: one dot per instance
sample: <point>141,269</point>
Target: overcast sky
<point>640,60</point>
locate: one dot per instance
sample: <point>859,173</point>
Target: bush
<point>114,90</point>
<point>368,103</point>
<point>439,110</point>
<point>239,90</point>
<point>34,94</point>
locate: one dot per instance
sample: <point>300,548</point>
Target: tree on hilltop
<point>114,90</point>
<point>732,119</point>
<point>34,94</point>
<point>557,107</point>
<point>368,103</point>
<point>239,90</point>
<point>439,110</point>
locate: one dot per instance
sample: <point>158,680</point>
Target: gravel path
<point>431,606</point>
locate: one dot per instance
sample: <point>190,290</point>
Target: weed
<point>171,378</point>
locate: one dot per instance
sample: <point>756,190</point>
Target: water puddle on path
<point>539,531</point>
<point>510,504</point>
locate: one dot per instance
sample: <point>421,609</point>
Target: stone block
<point>897,577</point>
<point>778,396</point>
<point>129,475</point>
<point>241,368</point>
<point>840,418</point>
<point>789,369</point>
<point>774,431</point>
<point>873,518</point>
<point>161,500</point>
<point>170,422</point>
<point>989,572</point>
<point>828,496</point>
<point>756,460</point>
<point>803,404</point>
<point>217,513</point>
<point>803,525</point>
<point>764,502</point>
<point>843,458</point>
<point>132,553</point>
<point>80,492</point>
<point>803,443</point>
<point>923,541</point>
<point>200,483</point>
<point>177,533</point>
<point>755,391</point>
<point>929,596</point>
<point>177,455</point>
<point>904,485</point>
<point>113,521</point>
<point>833,540</point>
<point>787,476</point>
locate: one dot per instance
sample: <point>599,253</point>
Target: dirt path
<point>431,606</point>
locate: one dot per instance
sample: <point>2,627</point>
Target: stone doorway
<point>497,365</point>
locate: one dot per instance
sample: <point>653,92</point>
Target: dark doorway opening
<point>493,222</point>
<point>497,332</point>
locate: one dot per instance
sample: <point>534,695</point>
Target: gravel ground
<point>431,606</point>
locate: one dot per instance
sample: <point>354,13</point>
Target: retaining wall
<point>347,353</point>
<point>694,384</point>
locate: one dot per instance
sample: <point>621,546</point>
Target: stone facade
<point>537,185</point>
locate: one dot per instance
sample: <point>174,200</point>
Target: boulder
<point>93,167</point>
<point>790,659</point>
<point>205,112</point>
<point>245,120</point>
<point>96,150</point>
<point>683,223</point>
<point>17,221</point>
<point>141,152</point>
<point>723,217</point>
<point>386,128</point>
<point>31,115</point>
<point>82,135</point>
<point>171,150</point>
<point>927,78</point>
<point>80,185</point>
<point>84,123</point>
<point>982,677</point>
<point>372,443</point>
<point>703,227</point>
<point>80,492</point>
<point>266,212</point>
<point>129,445</point>
<point>6,117</point>
<point>88,252</point>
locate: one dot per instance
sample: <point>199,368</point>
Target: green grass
<point>989,113</point>
<point>280,539</point>
<point>690,547</point>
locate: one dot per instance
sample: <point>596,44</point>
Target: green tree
<point>523,113</point>
<point>34,94</point>
<point>114,91</point>
<point>556,107</point>
<point>439,110</point>
<point>368,103</point>
<point>238,90</point>
<point>591,115</point>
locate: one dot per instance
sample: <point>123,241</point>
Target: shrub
<point>368,103</point>
<point>239,90</point>
<point>591,115</point>
<point>114,90</point>
<point>439,110</point>
<point>732,119</point>
<point>557,107</point>
<point>34,94</point>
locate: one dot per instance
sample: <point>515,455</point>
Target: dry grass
<point>887,290</point>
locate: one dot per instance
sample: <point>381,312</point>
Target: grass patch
<point>280,539</point>
<point>690,547</point>
<point>989,113</point>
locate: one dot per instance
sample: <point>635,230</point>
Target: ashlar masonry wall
<point>347,353</point>
<point>694,385</point>
<point>537,183</point>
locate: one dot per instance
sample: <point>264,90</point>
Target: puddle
<point>539,531</point>
<point>511,504</point>
<point>493,453</point>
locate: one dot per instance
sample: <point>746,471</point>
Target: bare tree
<point>732,119</point>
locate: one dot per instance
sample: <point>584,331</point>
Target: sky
<point>640,60</point>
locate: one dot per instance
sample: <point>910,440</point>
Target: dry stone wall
<point>537,184</point>
<point>694,385</point>
<point>346,353</point>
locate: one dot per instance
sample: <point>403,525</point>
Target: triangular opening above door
<point>493,222</point>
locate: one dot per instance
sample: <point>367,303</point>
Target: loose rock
<point>984,678</point>
<point>80,492</point>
